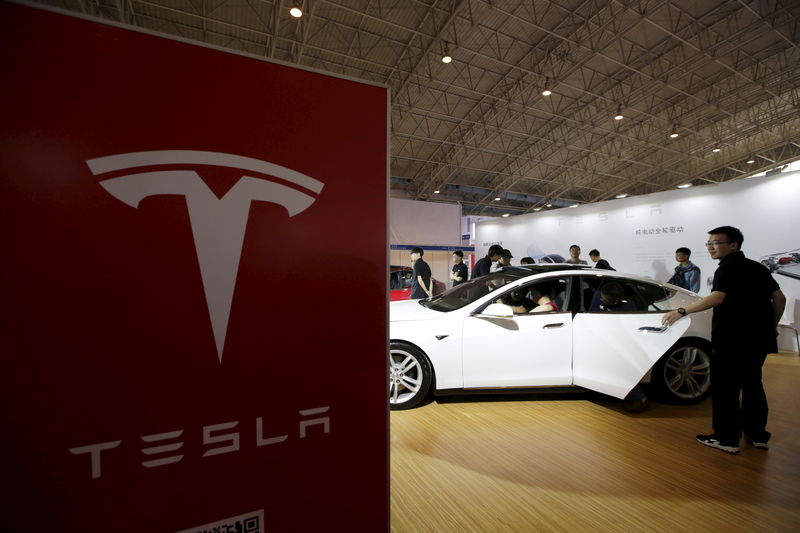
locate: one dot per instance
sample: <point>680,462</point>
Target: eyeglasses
<point>716,243</point>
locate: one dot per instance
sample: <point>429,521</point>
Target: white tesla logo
<point>218,224</point>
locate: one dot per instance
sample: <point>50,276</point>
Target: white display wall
<point>640,234</point>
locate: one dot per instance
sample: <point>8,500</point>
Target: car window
<point>543,295</point>
<point>470,291</point>
<point>606,294</point>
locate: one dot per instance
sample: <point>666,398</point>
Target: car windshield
<point>472,290</point>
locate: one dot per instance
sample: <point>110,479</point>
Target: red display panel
<point>194,283</point>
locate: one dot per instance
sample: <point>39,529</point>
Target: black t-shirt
<point>460,270</point>
<point>746,318</point>
<point>482,267</point>
<point>421,268</point>
<point>603,264</point>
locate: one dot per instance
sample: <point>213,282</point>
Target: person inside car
<point>610,298</point>
<point>517,300</point>
<point>541,296</point>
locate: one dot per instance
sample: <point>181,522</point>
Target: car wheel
<point>683,375</point>
<point>410,376</point>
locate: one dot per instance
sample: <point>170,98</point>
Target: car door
<point>615,342</point>
<point>525,350</point>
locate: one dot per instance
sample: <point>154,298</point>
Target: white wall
<point>424,223</point>
<point>766,209</point>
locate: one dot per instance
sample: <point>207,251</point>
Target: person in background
<point>541,296</point>
<point>599,262</point>
<point>484,264</point>
<point>459,273</point>
<point>687,274</point>
<point>748,304</point>
<point>575,256</point>
<point>518,301</point>
<point>421,282</point>
<point>527,261</point>
<point>504,261</point>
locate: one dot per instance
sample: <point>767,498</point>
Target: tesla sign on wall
<point>194,288</point>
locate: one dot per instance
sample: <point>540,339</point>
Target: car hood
<point>410,310</point>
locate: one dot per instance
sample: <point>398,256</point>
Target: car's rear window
<point>473,290</point>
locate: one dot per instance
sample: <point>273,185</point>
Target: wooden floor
<point>584,464</point>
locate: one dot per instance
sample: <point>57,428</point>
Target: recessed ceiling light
<point>506,215</point>
<point>622,195</point>
<point>446,58</point>
<point>295,11</point>
<point>684,186</point>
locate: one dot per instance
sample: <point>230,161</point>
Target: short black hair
<point>574,246</point>
<point>733,234</point>
<point>684,250</point>
<point>418,250</point>
<point>495,249</point>
<point>506,254</point>
<point>526,261</point>
<point>594,251</point>
<point>459,253</point>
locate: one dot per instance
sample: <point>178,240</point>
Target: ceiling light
<point>437,191</point>
<point>537,208</point>
<point>674,131</point>
<point>751,160</point>
<point>684,186</point>
<point>506,215</point>
<point>621,195</point>
<point>619,115</point>
<point>497,199</point>
<point>573,205</point>
<point>548,204</point>
<point>546,91</point>
<point>716,149</point>
<point>446,58</point>
<point>296,11</point>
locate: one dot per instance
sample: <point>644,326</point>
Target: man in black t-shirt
<point>421,282</point>
<point>747,304</point>
<point>459,273</point>
<point>484,265</point>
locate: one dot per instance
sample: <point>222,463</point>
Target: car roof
<point>541,268</point>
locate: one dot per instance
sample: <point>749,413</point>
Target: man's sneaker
<point>711,440</point>
<point>761,445</point>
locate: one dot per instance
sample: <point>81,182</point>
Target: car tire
<point>410,376</point>
<point>682,375</point>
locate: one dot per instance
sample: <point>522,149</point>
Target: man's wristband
<point>682,311</point>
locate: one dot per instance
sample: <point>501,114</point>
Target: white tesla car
<point>602,332</point>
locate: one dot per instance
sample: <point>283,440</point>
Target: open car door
<point>613,351</point>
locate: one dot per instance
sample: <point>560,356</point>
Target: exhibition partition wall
<point>175,255</point>
<point>640,234</point>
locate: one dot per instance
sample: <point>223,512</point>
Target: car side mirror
<point>498,311</point>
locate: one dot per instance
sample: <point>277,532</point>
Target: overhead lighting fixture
<point>537,208</point>
<point>296,11</point>
<point>619,115</point>
<point>573,205</point>
<point>751,160</point>
<point>621,195</point>
<point>446,58</point>
<point>674,131</point>
<point>437,191</point>
<point>546,91</point>
<point>506,215</point>
<point>548,204</point>
<point>716,149</point>
<point>684,186</point>
<point>497,199</point>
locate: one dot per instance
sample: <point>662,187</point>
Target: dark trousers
<point>736,372</point>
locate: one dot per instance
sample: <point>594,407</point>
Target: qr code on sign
<point>244,523</point>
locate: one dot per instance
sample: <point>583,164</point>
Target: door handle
<point>653,329</point>
<point>553,326</point>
